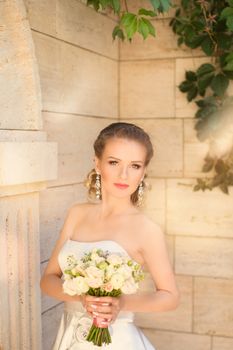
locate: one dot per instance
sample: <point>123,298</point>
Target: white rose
<point>117,280</point>
<point>129,286</point>
<point>93,272</point>
<point>94,282</point>
<point>125,271</point>
<point>114,259</point>
<point>76,285</point>
<point>110,270</point>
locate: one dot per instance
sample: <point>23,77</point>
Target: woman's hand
<point>105,308</point>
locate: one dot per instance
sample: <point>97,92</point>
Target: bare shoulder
<point>74,215</point>
<point>150,231</point>
<point>77,210</point>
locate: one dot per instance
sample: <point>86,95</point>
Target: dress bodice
<point>79,248</point>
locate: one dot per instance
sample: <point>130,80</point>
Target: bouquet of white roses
<point>100,273</point>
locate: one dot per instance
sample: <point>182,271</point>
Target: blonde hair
<point>120,130</point>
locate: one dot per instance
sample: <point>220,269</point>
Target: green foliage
<point>132,23</point>
<point>208,25</point>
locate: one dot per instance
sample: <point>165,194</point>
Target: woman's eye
<point>112,162</point>
<point>136,166</point>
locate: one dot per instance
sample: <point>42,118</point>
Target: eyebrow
<point>133,161</point>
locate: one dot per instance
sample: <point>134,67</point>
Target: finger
<point>100,309</point>
<point>103,299</point>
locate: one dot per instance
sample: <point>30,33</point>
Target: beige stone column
<point>27,162</point>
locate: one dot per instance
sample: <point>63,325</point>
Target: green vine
<point>131,23</point>
<point>208,25</point>
<point>205,25</point>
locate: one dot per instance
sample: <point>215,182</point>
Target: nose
<point>124,173</point>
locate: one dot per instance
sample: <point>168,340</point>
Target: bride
<point>113,222</point>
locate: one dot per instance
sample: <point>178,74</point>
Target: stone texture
<point>167,139</point>
<point>50,321</point>
<point>213,300</point>
<point>222,343</point>
<point>75,147</point>
<point>198,213</point>
<point>179,319</point>
<point>20,323</point>
<point>42,15</point>
<point>86,28</point>
<point>19,80</point>
<point>54,204</point>
<point>172,341</point>
<point>164,45</point>
<point>185,109</point>
<point>204,256</point>
<point>194,151</point>
<point>147,89</point>
<point>34,161</point>
<point>74,80</point>
<point>155,201</point>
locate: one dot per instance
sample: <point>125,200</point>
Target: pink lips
<point>121,185</point>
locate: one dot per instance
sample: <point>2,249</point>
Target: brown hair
<point>120,130</point>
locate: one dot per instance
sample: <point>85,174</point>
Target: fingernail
<point>94,306</point>
<point>105,304</point>
<point>95,313</point>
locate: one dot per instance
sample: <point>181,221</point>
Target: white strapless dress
<point>125,335</point>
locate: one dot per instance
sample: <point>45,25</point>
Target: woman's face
<point>122,163</point>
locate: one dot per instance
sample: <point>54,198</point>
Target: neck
<point>112,206</point>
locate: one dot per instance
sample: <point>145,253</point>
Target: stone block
<point>190,213</point>
<point>27,162</point>
<point>147,89</point>
<point>179,319</point>
<point>222,343</point>
<point>19,79</point>
<point>54,204</point>
<point>75,136</point>
<point>42,15</point>
<point>50,323</point>
<point>155,201</point>
<point>168,340</point>
<point>204,256</point>
<point>185,109</point>
<point>74,80</point>
<point>167,139</point>
<point>213,300</point>
<point>164,45</point>
<point>194,151</point>
<point>80,25</point>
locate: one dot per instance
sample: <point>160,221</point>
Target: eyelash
<point>114,161</point>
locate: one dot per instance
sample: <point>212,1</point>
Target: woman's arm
<point>155,254</point>
<point>51,283</point>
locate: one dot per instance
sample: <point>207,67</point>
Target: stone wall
<point>86,81</point>
<point>27,161</point>
<point>78,67</point>
<point>198,226</point>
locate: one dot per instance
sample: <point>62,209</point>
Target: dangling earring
<point>140,194</point>
<point>97,186</point>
